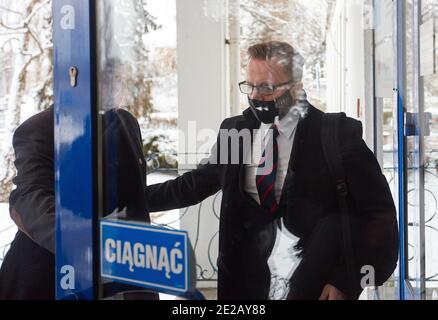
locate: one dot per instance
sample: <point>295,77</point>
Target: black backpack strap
<point>332,152</point>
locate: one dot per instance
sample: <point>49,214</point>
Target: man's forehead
<point>265,70</point>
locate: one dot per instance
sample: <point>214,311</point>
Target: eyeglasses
<point>264,90</point>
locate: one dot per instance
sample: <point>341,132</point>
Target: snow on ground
<point>163,121</point>
<point>7,229</point>
<point>165,93</point>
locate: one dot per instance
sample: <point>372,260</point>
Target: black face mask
<point>266,111</point>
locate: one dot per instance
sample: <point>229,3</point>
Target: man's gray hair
<point>283,53</point>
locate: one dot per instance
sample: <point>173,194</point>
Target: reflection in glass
<point>429,103</point>
<point>136,73</point>
<point>386,106</point>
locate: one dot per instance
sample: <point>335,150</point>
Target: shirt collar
<point>286,126</point>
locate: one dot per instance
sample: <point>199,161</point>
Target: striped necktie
<point>267,172</point>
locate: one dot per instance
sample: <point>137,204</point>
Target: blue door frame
<point>74,149</point>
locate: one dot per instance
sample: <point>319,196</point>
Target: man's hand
<point>332,293</point>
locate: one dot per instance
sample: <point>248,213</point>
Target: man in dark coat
<point>295,202</point>
<point>28,270</point>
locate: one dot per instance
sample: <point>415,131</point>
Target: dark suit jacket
<point>309,196</point>
<point>28,269</point>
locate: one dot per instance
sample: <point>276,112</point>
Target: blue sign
<point>137,254</point>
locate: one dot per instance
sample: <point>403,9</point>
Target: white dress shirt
<point>283,260</point>
<point>286,128</point>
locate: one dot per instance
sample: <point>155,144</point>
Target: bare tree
<point>26,41</point>
<point>299,22</point>
<point>124,56</point>
<point>29,39</point>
